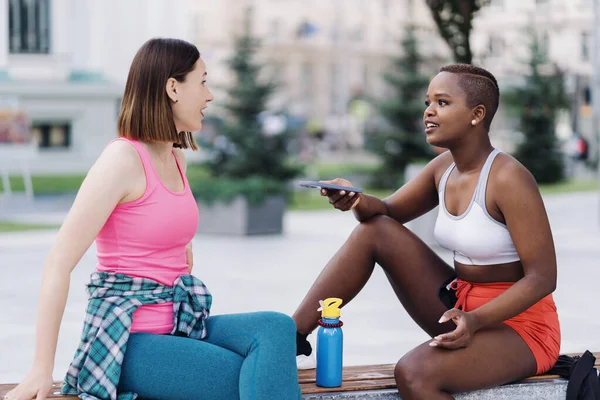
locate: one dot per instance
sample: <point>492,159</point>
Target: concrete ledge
<point>555,389</point>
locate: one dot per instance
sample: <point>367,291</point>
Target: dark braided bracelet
<point>326,325</point>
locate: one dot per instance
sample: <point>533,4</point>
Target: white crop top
<point>475,237</point>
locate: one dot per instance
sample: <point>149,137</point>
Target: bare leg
<point>414,270</point>
<point>496,356</point>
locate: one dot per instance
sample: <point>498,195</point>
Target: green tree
<point>403,141</point>
<point>537,103</point>
<point>454,19</point>
<point>246,156</point>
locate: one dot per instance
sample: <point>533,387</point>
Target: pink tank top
<point>147,237</point>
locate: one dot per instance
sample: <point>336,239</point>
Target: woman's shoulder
<point>507,169</point>
<point>440,164</point>
<point>120,151</point>
<point>508,175</point>
<point>120,156</point>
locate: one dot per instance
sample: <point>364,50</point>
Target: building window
<point>307,77</point>
<point>29,26</point>
<point>277,73</point>
<point>388,37</point>
<point>385,7</point>
<point>51,135</point>
<point>357,34</point>
<point>585,46</point>
<point>334,94</point>
<point>545,44</point>
<point>587,96</point>
<point>307,91</point>
<point>366,77</point>
<point>275,29</point>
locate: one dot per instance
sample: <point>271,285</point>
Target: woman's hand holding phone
<point>341,199</point>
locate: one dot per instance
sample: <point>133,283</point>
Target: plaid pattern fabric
<point>96,368</point>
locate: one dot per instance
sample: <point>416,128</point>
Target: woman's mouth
<point>430,127</point>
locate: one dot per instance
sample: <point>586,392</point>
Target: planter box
<point>240,218</point>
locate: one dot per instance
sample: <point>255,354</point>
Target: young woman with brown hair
<point>147,330</point>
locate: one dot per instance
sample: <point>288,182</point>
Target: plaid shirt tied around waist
<point>96,368</point>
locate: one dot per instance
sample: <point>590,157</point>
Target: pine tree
<point>537,103</point>
<point>250,159</point>
<point>404,141</point>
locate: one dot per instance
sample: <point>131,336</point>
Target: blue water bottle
<point>330,344</point>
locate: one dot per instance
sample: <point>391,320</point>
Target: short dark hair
<point>146,112</point>
<point>480,87</point>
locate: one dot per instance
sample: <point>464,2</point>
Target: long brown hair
<point>146,112</point>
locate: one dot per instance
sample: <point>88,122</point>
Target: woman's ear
<point>479,114</point>
<point>171,89</point>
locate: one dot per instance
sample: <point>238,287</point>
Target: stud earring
<point>473,122</point>
<point>178,100</point>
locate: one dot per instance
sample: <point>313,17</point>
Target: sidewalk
<point>274,273</point>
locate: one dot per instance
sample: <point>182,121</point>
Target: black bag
<point>584,383</point>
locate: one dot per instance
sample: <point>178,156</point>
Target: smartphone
<point>323,185</point>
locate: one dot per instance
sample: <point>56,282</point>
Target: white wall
<point>131,23</point>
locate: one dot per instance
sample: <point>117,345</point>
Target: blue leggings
<point>245,356</point>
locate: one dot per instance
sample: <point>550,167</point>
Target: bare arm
<point>529,228</point>
<point>107,182</point>
<point>412,200</point>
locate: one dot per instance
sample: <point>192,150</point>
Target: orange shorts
<point>538,325</point>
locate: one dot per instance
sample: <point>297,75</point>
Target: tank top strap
<point>444,178</point>
<point>181,171</point>
<point>483,178</point>
<point>151,178</point>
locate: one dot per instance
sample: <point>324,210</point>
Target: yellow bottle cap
<point>330,308</point>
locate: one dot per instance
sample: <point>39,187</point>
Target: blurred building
<point>500,43</point>
<point>323,52</point>
<point>64,63</point>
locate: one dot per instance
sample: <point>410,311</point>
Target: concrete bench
<point>377,382</point>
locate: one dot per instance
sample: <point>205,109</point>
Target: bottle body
<point>330,344</point>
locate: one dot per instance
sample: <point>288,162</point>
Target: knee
<point>375,225</point>
<point>279,322</point>
<point>379,229</point>
<point>414,377</point>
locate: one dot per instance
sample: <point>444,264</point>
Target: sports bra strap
<point>483,178</point>
<point>444,179</point>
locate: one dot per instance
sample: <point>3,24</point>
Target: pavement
<point>248,274</point>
